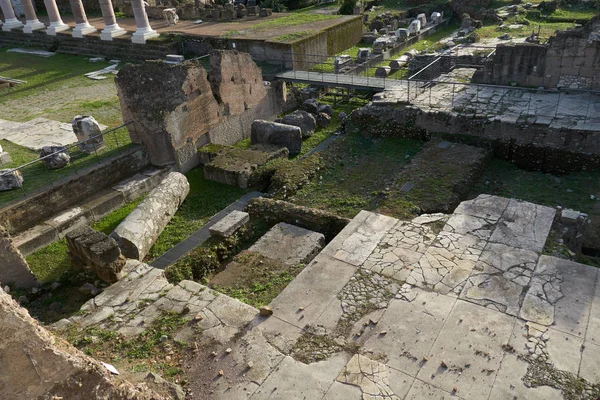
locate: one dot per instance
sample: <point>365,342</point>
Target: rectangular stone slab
<point>229,224</point>
<point>289,244</point>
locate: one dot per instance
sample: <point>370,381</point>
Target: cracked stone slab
<point>292,379</point>
<point>509,380</point>
<point>280,334</point>
<point>524,225</point>
<point>590,368</point>
<point>232,312</point>
<point>370,376</point>
<point>500,278</point>
<point>483,206</point>
<point>544,291</point>
<point>593,332</point>
<point>411,330</point>
<point>402,246</point>
<point>308,295</point>
<point>421,390</point>
<point>572,312</point>
<point>468,352</point>
<point>440,270</point>
<point>289,244</point>
<point>465,224</point>
<point>359,238</point>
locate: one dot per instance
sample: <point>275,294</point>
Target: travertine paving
<point>461,306</point>
<point>38,132</point>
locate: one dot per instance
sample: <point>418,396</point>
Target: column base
<point>56,27</point>
<point>12,23</point>
<point>111,31</point>
<point>83,29</point>
<point>140,36</point>
<point>33,25</point>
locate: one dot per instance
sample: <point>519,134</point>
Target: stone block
<point>303,120</point>
<point>104,203</point>
<point>266,12</point>
<point>88,133</point>
<point>69,220</point>
<point>97,252</point>
<point>234,167</point>
<point>289,244</point>
<point>5,158</point>
<point>55,157</point>
<point>10,179</point>
<point>35,238</point>
<point>229,224</point>
<point>253,10</point>
<point>13,267</point>
<point>266,132</point>
<point>564,70</point>
<point>228,15</point>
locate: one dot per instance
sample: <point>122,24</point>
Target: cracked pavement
<point>444,306</point>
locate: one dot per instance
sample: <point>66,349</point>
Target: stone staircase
<point>442,306</point>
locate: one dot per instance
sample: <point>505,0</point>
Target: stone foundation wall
<point>276,211</point>
<point>13,267</point>
<point>91,46</point>
<point>535,147</point>
<point>26,213</point>
<point>574,53</point>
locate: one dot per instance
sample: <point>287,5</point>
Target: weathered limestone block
<point>229,224</point>
<point>4,157</point>
<point>382,72</point>
<point>10,179</point>
<point>323,120</point>
<point>266,12</point>
<point>139,230</point>
<point>266,132</point>
<point>13,267</point>
<point>236,81</point>
<point>56,157</point>
<point>88,133</point>
<point>290,244</point>
<point>95,251</point>
<point>303,120</point>
<point>170,106</point>
<point>326,108</point>
<point>37,364</point>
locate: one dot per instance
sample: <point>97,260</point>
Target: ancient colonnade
<point>82,26</point>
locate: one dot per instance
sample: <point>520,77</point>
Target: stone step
<point>88,212</point>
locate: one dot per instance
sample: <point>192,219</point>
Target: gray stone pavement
<point>444,306</point>
<point>38,132</point>
<point>566,109</point>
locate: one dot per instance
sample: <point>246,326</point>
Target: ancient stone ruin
<point>13,268</point>
<point>176,108</point>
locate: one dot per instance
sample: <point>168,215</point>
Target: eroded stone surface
<point>370,376</point>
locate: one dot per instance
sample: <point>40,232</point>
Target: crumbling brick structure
<point>177,108</point>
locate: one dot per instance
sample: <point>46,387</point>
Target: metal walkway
<point>340,80</point>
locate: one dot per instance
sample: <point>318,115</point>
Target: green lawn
<point>292,19</point>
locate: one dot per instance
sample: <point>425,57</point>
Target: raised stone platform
<point>444,306</point>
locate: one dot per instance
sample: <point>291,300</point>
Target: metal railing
<point>37,176</point>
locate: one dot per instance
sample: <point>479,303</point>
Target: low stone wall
<point>13,267</point>
<point>91,46</point>
<point>26,213</point>
<point>37,364</point>
<point>276,211</point>
<point>534,147</point>
<point>95,251</point>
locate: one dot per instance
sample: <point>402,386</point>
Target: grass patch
<point>206,198</point>
<point>255,279</point>
<point>547,29</point>
<point>292,19</point>
<point>357,169</point>
<point>292,37</point>
<point>146,352</point>
<point>502,178</point>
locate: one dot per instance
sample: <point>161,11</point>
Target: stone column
<point>10,19</point>
<point>56,23</point>
<point>32,23</point>
<point>144,30</point>
<point>111,28</point>
<point>82,26</point>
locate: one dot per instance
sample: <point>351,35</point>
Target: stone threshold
<point>88,212</point>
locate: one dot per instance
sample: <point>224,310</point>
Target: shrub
<point>347,7</point>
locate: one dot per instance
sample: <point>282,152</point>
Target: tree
<point>347,7</point>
